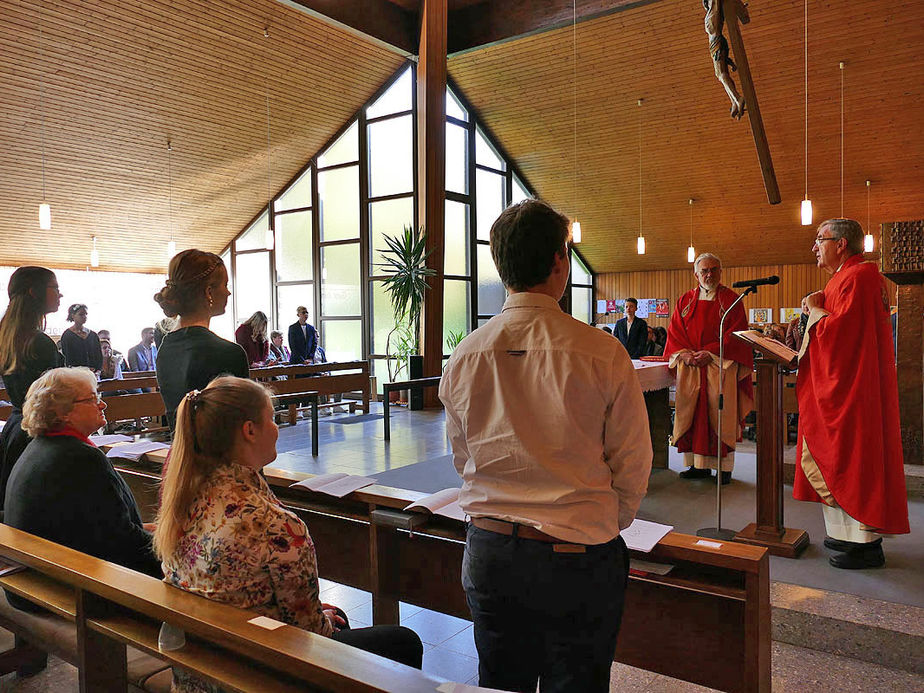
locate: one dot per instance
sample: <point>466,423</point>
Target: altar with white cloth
<point>655,379</point>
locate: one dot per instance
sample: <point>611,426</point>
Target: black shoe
<point>694,473</point>
<point>840,545</point>
<point>726,478</point>
<point>868,556</point>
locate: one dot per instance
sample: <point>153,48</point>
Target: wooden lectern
<point>769,531</point>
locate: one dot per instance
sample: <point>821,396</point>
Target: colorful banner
<point>787,315</point>
<point>662,308</point>
<point>761,315</point>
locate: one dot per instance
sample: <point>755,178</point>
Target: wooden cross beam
<point>735,11</point>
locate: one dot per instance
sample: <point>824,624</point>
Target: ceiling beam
<point>380,20</point>
<point>495,21</point>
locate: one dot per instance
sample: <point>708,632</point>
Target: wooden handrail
<point>319,661</point>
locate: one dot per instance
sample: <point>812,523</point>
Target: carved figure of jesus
<point>718,47</point>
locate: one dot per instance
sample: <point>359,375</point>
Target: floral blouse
<point>241,547</point>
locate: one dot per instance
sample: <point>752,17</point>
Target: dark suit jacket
<point>633,340</point>
<point>301,350</point>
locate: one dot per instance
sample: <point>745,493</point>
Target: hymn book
<point>337,484</point>
<point>445,503</point>
<point>772,348</point>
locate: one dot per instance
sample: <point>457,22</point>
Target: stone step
<point>883,633</point>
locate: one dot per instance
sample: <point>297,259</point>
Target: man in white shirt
<point>536,404</point>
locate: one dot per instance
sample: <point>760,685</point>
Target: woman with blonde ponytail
<point>222,533</point>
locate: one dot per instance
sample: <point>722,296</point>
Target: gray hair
<point>51,397</point>
<point>848,229</point>
<point>705,256</point>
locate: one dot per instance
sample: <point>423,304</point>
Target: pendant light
<point>575,225</point>
<point>171,244</point>
<point>691,252</point>
<point>868,243</point>
<point>44,207</point>
<point>94,255</point>
<point>640,243</point>
<point>270,236</point>
<point>841,65</point>
<point>806,202</point>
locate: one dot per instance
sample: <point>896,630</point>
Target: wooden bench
<point>716,599</point>
<point>113,609</point>
<point>114,385</point>
<point>388,388</point>
<point>134,407</point>
<point>333,378</point>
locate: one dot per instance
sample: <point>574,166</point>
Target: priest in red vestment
<point>693,350</point>
<point>850,449</point>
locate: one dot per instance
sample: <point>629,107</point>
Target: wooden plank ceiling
<point>523,89</point>
<point>120,78</point>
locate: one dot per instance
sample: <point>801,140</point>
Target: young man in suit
<point>303,338</point>
<point>632,331</point>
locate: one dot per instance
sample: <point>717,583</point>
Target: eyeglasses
<point>707,270</point>
<point>829,238</point>
<point>96,399</point>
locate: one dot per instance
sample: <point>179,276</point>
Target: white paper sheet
<point>266,622</point>
<point>337,485</point>
<point>100,441</point>
<point>642,535</point>
<point>134,451</point>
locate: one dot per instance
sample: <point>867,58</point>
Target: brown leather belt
<point>522,531</point>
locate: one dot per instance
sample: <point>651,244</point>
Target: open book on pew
<point>337,484</point>
<point>772,348</point>
<point>100,441</point>
<point>445,503</point>
<point>134,451</point>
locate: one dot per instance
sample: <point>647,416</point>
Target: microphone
<point>751,283</point>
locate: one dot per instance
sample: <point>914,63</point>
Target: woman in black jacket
<point>64,488</point>
<point>25,353</point>
<point>191,355</point>
<point>79,344</point>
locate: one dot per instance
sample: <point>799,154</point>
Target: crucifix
<point>720,13</point>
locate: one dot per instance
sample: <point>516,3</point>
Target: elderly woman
<point>63,488</point>
<point>223,534</point>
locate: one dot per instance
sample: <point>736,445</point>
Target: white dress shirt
<point>547,423</point>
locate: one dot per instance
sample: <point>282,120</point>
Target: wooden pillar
<point>910,353</point>
<point>902,260</point>
<point>431,177</point>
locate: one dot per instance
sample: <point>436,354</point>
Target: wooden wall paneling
<point>795,282</point>
<point>523,90</point>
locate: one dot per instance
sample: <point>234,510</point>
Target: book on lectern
<point>772,348</point>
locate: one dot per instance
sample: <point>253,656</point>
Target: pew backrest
<point>118,606</point>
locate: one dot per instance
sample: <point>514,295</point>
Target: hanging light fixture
<point>640,243</point>
<point>171,244</point>
<point>841,64</point>
<point>94,255</point>
<point>44,207</point>
<point>270,236</point>
<point>868,243</point>
<point>575,225</point>
<point>806,202</point>
<point>691,252</point>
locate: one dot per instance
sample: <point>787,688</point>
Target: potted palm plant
<point>406,283</point>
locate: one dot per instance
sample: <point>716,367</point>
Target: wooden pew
<point>112,385</point>
<point>328,379</point>
<point>113,607</point>
<point>716,599</point>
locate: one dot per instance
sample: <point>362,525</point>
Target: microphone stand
<point>717,532</point>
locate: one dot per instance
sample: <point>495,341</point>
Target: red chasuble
<point>695,326</point>
<point>848,402</point>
